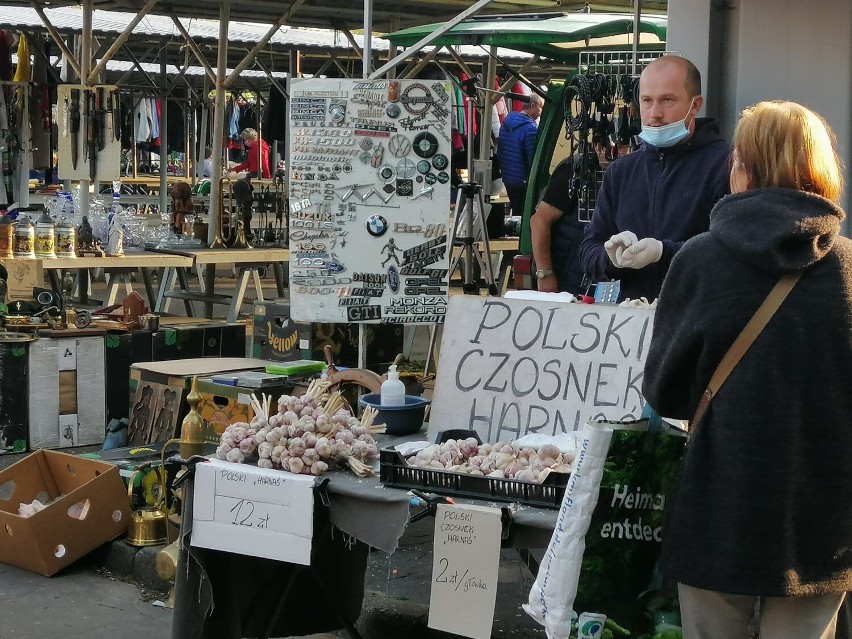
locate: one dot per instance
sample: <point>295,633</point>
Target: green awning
<point>555,35</point>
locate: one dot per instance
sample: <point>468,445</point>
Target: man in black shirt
<point>556,233</point>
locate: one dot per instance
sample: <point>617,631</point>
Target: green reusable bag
<point>603,554</point>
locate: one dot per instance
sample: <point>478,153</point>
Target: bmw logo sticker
<point>377,225</point>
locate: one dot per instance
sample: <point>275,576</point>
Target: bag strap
<point>744,340</point>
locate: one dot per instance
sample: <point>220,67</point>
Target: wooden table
<point>118,268</point>
<point>499,266</point>
<point>248,263</point>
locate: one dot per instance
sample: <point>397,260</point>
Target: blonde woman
<point>763,508</point>
<point>258,155</point>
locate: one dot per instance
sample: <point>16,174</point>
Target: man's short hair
<point>693,79</point>
<point>535,100</point>
<point>692,82</point>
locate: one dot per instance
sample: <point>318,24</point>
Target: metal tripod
<point>470,219</point>
<point>470,222</point>
<point>470,214</point>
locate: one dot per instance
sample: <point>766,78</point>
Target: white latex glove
<point>639,255</point>
<point>616,245</point>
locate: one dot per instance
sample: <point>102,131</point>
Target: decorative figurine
<point>86,237</point>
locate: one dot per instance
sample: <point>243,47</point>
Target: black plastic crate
<point>395,471</point>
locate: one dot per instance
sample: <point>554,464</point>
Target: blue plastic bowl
<point>400,420</point>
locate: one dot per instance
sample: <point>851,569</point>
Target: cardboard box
<point>160,390</point>
<point>67,396</point>
<point>223,405</point>
<point>275,336</point>
<point>124,349</point>
<point>214,339</point>
<point>217,339</point>
<point>24,275</point>
<point>86,506</point>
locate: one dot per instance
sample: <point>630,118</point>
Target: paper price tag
<point>249,510</point>
<point>465,564</point>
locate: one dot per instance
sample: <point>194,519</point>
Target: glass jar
<point>24,240</point>
<point>7,236</point>
<point>66,239</point>
<point>45,237</point>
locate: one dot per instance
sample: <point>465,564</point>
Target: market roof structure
<point>558,36</point>
<point>321,50</point>
<point>387,15</point>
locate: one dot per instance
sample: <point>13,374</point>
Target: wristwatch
<point>541,273</point>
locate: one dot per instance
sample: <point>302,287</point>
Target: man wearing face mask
<point>653,200</point>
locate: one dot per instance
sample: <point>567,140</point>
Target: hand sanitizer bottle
<point>393,390</point>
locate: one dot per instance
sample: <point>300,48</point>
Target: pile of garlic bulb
<point>309,435</point>
<point>503,460</point>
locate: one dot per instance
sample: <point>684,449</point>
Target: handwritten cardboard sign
<point>253,511</point>
<point>512,367</point>
<point>465,562</point>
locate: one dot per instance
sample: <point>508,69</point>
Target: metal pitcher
<point>147,525</point>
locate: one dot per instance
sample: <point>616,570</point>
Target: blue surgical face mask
<point>668,134</point>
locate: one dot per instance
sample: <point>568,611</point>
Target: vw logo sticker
<point>377,225</point>
<point>393,279</point>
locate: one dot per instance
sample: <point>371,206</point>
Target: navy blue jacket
<point>664,193</point>
<point>516,148</point>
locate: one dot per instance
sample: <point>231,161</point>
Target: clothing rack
<point>602,117</point>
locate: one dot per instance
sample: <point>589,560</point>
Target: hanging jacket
<point>763,503</point>
<point>663,193</point>
<point>233,121</point>
<point>274,126</point>
<point>517,148</point>
<point>141,122</point>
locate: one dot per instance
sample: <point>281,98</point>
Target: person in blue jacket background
<point>516,150</point>
<point>653,200</point>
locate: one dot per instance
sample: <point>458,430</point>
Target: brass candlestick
<point>192,429</point>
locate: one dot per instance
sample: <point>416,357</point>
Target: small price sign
<point>247,512</point>
<point>256,511</point>
<point>466,560</point>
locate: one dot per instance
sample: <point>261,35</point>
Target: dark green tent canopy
<point>558,36</point>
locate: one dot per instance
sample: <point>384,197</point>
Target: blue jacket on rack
<point>663,193</point>
<point>516,148</point>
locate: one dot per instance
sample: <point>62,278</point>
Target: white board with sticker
<point>369,188</point>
